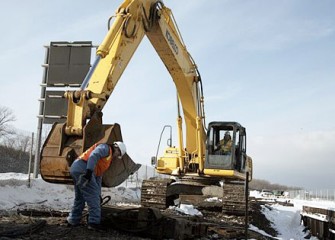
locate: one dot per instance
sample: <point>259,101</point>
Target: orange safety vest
<point>225,146</point>
<point>102,164</point>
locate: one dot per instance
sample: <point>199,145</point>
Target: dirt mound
<point>259,220</point>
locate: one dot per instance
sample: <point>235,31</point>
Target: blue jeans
<point>88,192</point>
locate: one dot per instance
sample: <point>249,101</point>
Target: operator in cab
<point>86,172</point>
<point>225,144</point>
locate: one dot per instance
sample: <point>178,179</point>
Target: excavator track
<point>233,201</point>
<point>153,193</point>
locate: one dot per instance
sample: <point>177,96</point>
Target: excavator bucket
<point>60,150</point>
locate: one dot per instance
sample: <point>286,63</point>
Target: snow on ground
<point>187,209</point>
<point>286,220</point>
<point>17,193</point>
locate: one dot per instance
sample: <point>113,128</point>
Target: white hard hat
<point>122,147</point>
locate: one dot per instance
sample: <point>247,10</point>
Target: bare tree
<point>19,143</point>
<point>6,118</point>
<point>8,145</point>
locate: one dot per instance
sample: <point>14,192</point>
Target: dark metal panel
<point>80,55</point>
<point>68,63</point>
<point>57,71</point>
<point>55,107</point>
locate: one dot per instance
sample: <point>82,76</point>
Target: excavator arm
<point>133,20</point>
<point>167,41</point>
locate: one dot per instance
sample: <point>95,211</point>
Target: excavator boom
<point>133,20</point>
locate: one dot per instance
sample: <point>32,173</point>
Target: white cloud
<point>296,158</point>
<point>258,25</point>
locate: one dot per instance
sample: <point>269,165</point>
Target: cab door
<point>218,157</point>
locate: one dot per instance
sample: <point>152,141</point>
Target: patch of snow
<point>187,209</point>
<point>316,203</point>
<point>213,199</point>
<point>256,229</point>
<point>319,217</point>
<point>286,220</point>
<point>17,193</point>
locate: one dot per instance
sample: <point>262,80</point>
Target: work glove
<point>85,178</point>
<point>88,174</point>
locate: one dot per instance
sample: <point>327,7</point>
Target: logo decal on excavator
<point>171,42</point>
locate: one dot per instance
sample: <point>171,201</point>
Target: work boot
<point>68,224</point>
<point>96,227</point>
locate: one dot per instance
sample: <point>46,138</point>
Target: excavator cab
<point>226,147</point>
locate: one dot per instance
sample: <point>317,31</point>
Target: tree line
<point>9,136</point>
<point>259,184</point>
<point>15,145</point>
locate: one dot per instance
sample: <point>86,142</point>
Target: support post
<point>246,192</point>
<point>41,112</point>
<point>30,157</point>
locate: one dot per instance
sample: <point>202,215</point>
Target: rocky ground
<point>29,225</point>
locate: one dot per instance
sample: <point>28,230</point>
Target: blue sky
<point>267,64</point>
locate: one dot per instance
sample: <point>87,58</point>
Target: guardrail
<point>320,222</point>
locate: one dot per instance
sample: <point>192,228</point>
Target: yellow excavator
<point>195,163</point>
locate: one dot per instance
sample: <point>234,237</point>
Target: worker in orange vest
<point>225,144</point>
<point>87,171</point>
